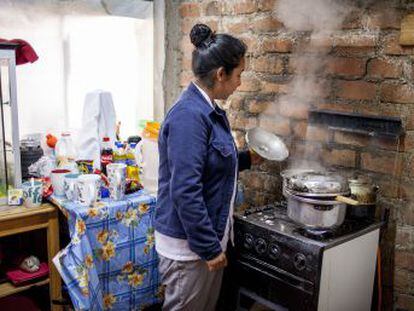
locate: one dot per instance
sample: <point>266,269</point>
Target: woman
<point>199,165</point>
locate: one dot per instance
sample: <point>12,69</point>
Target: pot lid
<point>266,144</point>
<point>317,182</point>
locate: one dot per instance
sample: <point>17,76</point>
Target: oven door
<point>275,285</point>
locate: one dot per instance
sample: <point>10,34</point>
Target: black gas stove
<point>281,263</point>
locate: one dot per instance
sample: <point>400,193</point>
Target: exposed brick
<point>353,139</point>
<point>344,107</point>
<point>385,18</point>
<point>404,260</point>
<point>266,5</point>
<point>358,90</point>
<point>401,279</point>
<point>235,101</point>
<point>188,23</point>
<point>295,110</point>
<point>266,24</point>
<point>384,162</point>
<point>346,67</point>
<point>272,87</point>
<point>307,64</point>
<point>277,125</point>
<point>405,212</point>
<point>385,68</point>
<point>311,133</point>
<point>238,27</point>
<point>244,123</point>
<point>397,93</point>
<point>355,39</point>
<point>242,7</point>
<point>393,47</point>
<point>277,44</point>
<point>272,109</point>
<point>339,157</point>
<point>257,106</point>
<point>353,51</point>
<point>404,238</point>
<point>189,9</point>
<point>185,78</point>
<point>213,8</point>
<point>269,64</point>
<point>249,83</point>
<point>251,42</point>
<point>404,302</point>
<point>300,129</point>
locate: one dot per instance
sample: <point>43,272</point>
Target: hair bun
<point>199,33</point>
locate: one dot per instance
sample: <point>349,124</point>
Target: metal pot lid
<point>266,144</point>
<point>313,182</point>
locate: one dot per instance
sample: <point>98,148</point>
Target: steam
<point>316,22</point>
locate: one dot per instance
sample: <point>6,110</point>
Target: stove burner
<point>317,234</point>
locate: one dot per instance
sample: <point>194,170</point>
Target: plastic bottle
<point>106,153</point>
<point>119,153</point>
<point>66,153</point>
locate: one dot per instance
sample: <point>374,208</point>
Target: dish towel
<point>98,121</point>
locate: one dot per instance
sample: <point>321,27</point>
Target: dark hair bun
<point>199,33</point>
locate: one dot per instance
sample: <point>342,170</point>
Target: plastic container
<point>147,156</point>
<point>66,153</point>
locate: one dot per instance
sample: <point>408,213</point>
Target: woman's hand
<point>255,159</point>
<point>217,263</point>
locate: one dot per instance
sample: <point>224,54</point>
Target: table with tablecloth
<point>110,262</point>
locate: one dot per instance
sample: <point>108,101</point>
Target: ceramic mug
<point>117,180</point>
<point>57,177</point>
<point>70,186</point>
<point>88,189</point>
<point>32,193</point>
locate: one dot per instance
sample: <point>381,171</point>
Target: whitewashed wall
<point>79,51</point>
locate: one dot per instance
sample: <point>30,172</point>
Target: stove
<point>285,266</point>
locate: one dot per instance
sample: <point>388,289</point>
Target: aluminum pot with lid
<point>313,183</point>
<point>315,213</point>
<point>363,190</point>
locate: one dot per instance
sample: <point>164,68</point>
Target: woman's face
<point>227,84</point>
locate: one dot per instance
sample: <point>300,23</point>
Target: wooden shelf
<point>8,288</point>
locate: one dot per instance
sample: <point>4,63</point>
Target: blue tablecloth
<point>111,262</point>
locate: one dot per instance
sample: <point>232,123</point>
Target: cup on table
<point>70,186</point>
<point>117,180</point>
<point>32,193</point>
<point>57,177</point>
<point>88,189</point>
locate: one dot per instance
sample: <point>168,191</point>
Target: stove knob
<point>248,241</point>
<point>274,251</point>
<point>261,246</point>
<point>299,261</point>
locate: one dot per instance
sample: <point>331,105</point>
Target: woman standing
<point>199,165</point>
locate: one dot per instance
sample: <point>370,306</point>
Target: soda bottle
<point>106,154</point>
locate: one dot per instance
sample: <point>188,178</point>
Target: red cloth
<point>18,276</point>
<point>24,52</point>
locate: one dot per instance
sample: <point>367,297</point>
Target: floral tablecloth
<point>111,262</point>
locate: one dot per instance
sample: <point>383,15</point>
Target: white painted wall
<point>78,53</point>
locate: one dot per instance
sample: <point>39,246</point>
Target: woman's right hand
<point>217,263</point>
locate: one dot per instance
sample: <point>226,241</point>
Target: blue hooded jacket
<point>196,173</point>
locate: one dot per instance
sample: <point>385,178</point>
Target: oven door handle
<point>279,275</point>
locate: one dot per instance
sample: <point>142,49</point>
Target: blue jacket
<point>196,173</point>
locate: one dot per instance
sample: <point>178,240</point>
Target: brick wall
<point>361,68</point>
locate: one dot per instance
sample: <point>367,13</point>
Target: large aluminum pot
<point>315,213</point>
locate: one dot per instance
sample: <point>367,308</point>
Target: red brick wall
<point>363,69</point>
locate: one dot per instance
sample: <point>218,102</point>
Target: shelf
<point>8,288</point>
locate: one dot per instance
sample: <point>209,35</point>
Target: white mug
<point>57,177</point>
<point>117,180</point>
<point>71,188</point>
<point>88,189</point>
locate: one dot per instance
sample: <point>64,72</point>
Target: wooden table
<point>15,220</point>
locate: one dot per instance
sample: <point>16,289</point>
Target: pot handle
<point>346,200</point>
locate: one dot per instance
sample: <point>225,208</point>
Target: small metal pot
<point>363,190</point>
<point>315,213</point>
